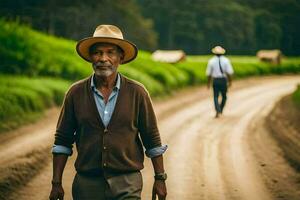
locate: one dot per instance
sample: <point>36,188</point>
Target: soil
<point>231,157</point>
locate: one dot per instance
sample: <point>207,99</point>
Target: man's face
<point>105,59</point>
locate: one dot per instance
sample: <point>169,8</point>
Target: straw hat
<point>107,34</point>
<point>218,50</point>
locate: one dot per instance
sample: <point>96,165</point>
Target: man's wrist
<point>161,176</point>
<point>56,183</point>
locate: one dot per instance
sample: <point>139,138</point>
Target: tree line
<point>241,26</point>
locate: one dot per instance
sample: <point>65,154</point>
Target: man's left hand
<point>229,84</point>
<point>159,189</point>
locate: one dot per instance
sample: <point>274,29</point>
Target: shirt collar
<point>117,86</point>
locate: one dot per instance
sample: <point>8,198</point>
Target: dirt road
<point>207,158</point>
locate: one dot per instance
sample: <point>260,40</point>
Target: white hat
<point>218,50</point>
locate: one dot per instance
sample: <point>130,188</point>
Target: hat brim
<point>83,46</point>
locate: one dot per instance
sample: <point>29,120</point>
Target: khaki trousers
<point>121,187</point>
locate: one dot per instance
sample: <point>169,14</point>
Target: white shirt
<point>213,67</point>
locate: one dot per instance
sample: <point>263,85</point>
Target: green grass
<point>24,99</point>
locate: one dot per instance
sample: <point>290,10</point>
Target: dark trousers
<point>121,187</point>
<point>220,87</point>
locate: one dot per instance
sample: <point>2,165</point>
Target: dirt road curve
<point>207,158</point>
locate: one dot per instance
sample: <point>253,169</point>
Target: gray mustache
<point>101,64</point>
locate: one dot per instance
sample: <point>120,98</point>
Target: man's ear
<point>122,57</point>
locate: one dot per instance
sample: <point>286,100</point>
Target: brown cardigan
<point>117,148</point>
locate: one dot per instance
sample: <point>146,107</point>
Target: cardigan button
<point>105,130</point>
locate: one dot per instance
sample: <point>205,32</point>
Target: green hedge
<point>23,99</point>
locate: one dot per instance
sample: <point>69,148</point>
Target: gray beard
<point>104,73</point>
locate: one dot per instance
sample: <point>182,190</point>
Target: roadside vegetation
<point>27,56</point>
<point>23,99</point>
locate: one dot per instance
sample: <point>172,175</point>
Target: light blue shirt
<point>105,111</point>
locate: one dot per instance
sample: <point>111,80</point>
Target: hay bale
<point>271,56</point>
<point>168,56</point>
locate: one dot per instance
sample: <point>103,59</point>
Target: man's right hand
<point>57,192</point>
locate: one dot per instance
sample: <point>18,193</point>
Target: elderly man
<point>110,118</point>
<point>220,70</point>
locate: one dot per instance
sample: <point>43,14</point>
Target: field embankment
<point>283,123</point>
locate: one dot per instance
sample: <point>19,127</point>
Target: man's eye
<point>96,53</point>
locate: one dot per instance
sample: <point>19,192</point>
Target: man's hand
<point>208,81</point>
<point>208,85</point>
<point>159,189</point>
<point>229,77</point>
<point>57,192</point>
<point>229,84</point>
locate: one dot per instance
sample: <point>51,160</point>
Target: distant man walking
<point>111,120</point>
<point>219,70</point>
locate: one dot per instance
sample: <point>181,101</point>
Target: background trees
<point>77,19</point>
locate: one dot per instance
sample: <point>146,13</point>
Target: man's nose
<point>99,57</point>
<point>103,57</point>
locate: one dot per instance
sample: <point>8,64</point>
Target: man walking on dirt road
<point>110,118</point>
<point>219,70</point>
